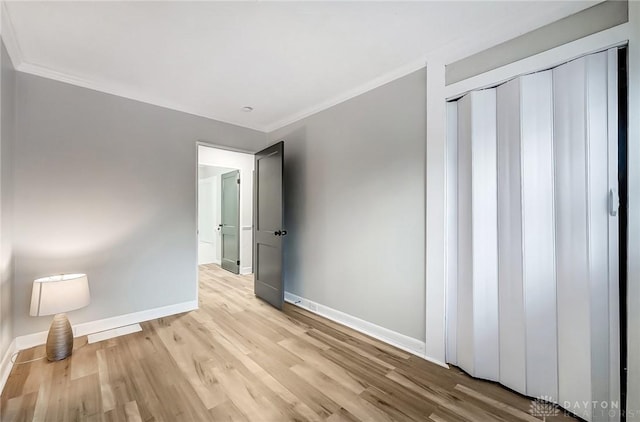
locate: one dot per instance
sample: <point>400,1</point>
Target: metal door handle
<point>283,233</point>
<point>280,233</point>
<point>219,227</point>
<point>614,202</point>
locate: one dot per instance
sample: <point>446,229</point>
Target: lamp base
<point>60,338</point>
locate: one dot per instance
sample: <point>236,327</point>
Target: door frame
<point>600,41</point>
<point>202,143</point>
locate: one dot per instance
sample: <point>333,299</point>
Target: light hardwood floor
<point>237,358</point>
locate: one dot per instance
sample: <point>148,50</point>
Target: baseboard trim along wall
<point>401,341</point>
<point>91,327</point>
<point>116,332</point>
<point>6,364</point>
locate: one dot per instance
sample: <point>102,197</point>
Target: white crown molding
<point>113,89</point>
<point>446,53</point>
<point>48,73</point>
<point>21,65</point>
<point>349,94</point>
<point>401,341</point>
<point>9,36</point>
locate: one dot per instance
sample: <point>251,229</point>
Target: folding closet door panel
<point>484,234</point>
<point>465,333</point>
<point>614,294</point>
<point>598,224</point>
<point>538,234</point>
<point>452,231</point>
<point>572,248</point>
<point>510,288</point>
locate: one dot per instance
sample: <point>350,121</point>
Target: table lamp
<point>55,295</point>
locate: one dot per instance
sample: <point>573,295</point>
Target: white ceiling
<point>286,60</point>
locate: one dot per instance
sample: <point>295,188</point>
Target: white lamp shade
<point>59,293</point>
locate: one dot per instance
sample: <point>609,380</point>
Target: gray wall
<point>355,206</point>
<point>579,25</point>
<point>107,186</point>
<point>7,136</point>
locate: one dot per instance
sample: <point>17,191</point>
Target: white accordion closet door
<point>526,272</point>
<point>464,320</point>
<point>510,279</point>
<point>484,236</point>
<point>581,148</point>
<point>532,255</point>
<point>538,232</point>
<point>452,232</point>
<point>477,322</point>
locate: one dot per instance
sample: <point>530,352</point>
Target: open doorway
<point>257,239</point>
<point>217,206</point>
<point>225,209</point>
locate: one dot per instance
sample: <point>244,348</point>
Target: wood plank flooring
<point>238,359</point>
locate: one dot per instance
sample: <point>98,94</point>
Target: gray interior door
<point>268,225</point>
<point>230,221</point>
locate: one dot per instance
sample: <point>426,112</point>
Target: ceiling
<point>286,60</point>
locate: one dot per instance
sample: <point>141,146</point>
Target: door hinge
<point>237,262</point>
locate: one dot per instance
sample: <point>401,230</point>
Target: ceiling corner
<point>349,94</point>
<point>9,36</point>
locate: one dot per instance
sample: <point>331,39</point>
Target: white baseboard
<point>85,328</point>
<point>436,361</point>
<point>401,341</point>
<point>6,365</point>
<point>116,332</point>
<point>207,261</point>
<point>31,340</point>
<point>246,270</point>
